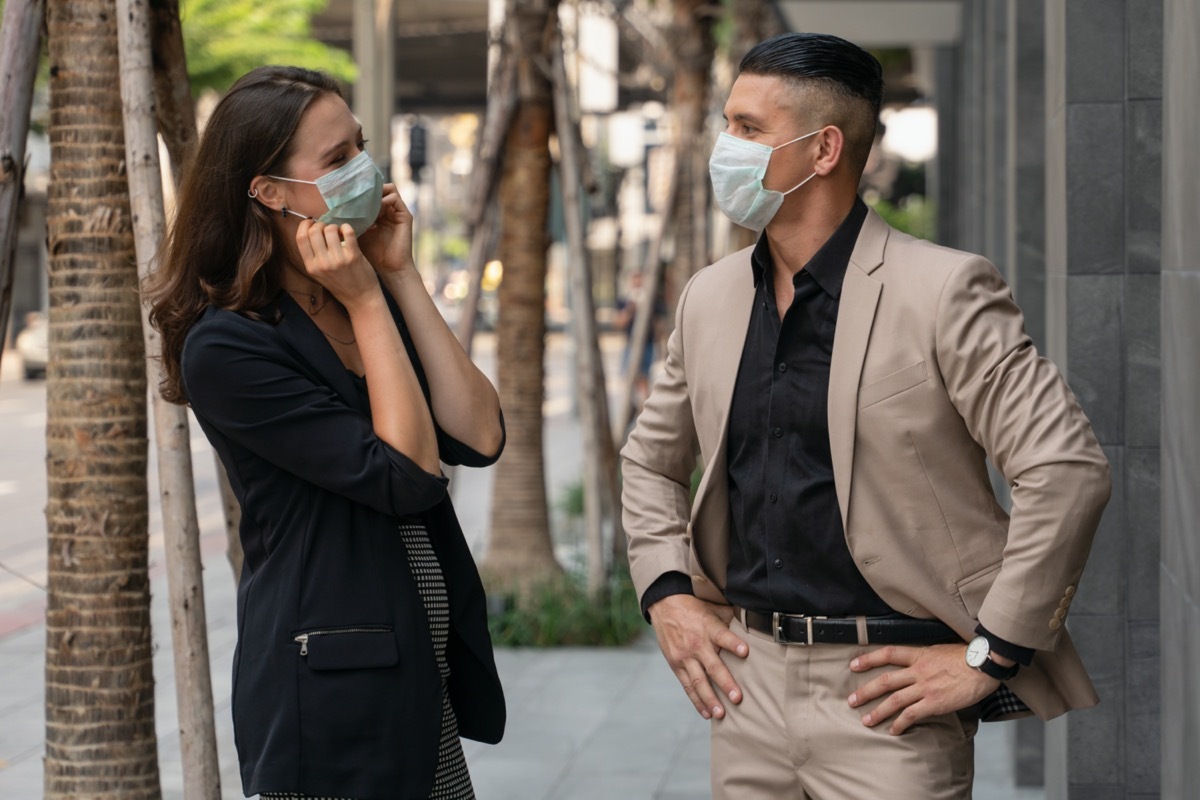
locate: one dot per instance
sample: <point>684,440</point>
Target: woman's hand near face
<point>332,258</point>
<point>388,243</point>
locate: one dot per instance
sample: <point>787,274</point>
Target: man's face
<point>762,108</point>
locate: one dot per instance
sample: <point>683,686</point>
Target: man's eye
<point>362,144</point>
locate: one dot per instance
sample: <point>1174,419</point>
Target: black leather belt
<point>802,629</point>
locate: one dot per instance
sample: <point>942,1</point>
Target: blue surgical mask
<point>353,193</point>
<point>737,167</point>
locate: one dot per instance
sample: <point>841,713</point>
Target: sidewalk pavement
<point>584,724</point>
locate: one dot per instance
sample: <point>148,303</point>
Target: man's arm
<point>1017,406</point>
<point>657,464</point>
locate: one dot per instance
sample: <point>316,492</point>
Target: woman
<point>295,324</point>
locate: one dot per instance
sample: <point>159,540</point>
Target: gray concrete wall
<point>1103,190</point>
<point>1179,569</point>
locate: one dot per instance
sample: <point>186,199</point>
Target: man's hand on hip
<point>934,680</point>
<point>692,633</point>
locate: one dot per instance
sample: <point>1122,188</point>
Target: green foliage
<point>227,38</point>
<point>913,215</point>
<point>571,499</point>
<point>560,613</point>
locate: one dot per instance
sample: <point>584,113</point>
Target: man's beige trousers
<point>794,735</point>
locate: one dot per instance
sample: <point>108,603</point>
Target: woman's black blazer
<point>353,709</point>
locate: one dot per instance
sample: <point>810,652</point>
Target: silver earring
<point>252,193</point>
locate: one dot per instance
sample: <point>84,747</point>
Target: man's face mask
<point>737,167</point>
<point>353,193</point>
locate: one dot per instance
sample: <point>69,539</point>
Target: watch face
<point>977,652</point>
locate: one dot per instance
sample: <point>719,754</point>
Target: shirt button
<point>772,497</point>
<point>779,563</point>
<point>778,433</point>
<point>783,367</point>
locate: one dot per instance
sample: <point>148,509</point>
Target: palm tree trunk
<point>100,738</point>
<point>520,553</point>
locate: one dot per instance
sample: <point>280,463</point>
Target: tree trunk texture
<point>100,739</point>
<point>693,45</point>
<point>520,553</point>
<point>181,528</point>
<point>20,37</point>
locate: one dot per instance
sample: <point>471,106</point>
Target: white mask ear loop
<point>793,141</point>
<point>801,183</point>
<point>284,211</point>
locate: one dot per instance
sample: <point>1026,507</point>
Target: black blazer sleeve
<point>252,390</point>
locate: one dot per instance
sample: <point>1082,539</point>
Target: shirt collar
<point>828,266</point>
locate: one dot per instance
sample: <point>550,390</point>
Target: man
<point>842,384</point>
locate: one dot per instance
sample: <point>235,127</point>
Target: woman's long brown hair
<point>221,249</point>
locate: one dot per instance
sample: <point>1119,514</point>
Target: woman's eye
<point>362,144</point>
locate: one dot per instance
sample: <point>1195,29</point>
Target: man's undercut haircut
<point>840,83</point>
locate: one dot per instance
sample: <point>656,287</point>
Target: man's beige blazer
<point>931,372</point>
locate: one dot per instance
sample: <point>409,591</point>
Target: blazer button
<point>1070,592</point>
<point>1065,602</point>
<point>1061,613</point>
<point>1055,624</point>
<point>778,432</point>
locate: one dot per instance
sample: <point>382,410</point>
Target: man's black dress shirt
<point>787,549</point>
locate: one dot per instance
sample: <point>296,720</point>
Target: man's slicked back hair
<point>848,77</point>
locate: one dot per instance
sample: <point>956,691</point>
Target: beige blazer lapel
<point>856,314</point>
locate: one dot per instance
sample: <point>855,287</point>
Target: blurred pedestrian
<point>842,383</point>
<point>297,327</point>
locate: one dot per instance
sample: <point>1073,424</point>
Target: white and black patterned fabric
<point>452,781</point>
<point>1002,704</point>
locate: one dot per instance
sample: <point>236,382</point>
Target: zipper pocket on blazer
<point>304,638</point>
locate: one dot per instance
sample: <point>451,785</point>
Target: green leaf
<point>225,39</point>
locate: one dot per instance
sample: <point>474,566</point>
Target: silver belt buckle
<point>777,628</point>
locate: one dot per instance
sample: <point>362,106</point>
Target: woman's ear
<point>832,142</point>
<point>266,191</point>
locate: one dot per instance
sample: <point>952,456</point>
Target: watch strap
<point>994,670</point>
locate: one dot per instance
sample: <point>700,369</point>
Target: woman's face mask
<point>353,193</point>
<point>737,167</point>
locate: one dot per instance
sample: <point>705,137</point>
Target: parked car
<point>33,345</point>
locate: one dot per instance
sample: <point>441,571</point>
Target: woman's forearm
<point>399,412</point>
<point>464,401</point>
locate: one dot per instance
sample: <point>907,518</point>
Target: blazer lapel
<point>856,314</point>
<point>310,346</point>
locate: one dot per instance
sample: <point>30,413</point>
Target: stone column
<point>1026,183</point>
<point>1026,245</point>
<point>1180,464</point>
<point>1103,185</point>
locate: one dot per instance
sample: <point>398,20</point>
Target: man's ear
<point>266,191</point>
<point>832,143</point>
